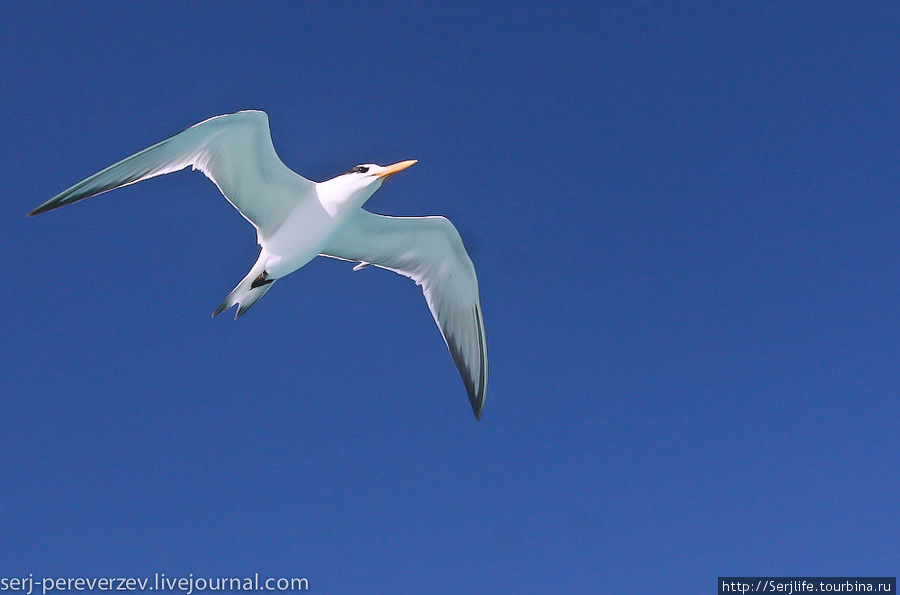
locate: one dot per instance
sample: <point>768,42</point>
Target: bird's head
<point>359,183</point>
<point>368,174</point>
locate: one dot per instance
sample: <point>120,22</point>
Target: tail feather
<point>244,295</point>
<point>254,295</point>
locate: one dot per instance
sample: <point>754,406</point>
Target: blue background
<point>685,222</point>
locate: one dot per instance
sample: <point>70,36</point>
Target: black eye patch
<point>359,169</point>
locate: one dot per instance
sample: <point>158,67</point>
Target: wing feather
<point>235,151</point>
<point>429,251</point>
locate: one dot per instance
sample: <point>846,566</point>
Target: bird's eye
<point>361,169</point>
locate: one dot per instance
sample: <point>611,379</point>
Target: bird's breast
<point>303,235</point>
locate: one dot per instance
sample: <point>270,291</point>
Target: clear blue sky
<point>686,225</point>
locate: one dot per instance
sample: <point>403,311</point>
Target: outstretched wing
<point>235,151</point>
<point>429,251</point>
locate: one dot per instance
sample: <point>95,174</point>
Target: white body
<point>285,251</point>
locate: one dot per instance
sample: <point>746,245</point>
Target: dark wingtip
<point>477,405</point>
<point>51,204</point>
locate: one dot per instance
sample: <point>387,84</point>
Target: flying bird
<point>297,219</point>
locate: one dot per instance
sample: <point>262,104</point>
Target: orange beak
<point>392,169</point>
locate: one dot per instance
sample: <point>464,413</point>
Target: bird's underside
<point>296,219</point>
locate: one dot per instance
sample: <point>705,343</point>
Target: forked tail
<point>248,291</point>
